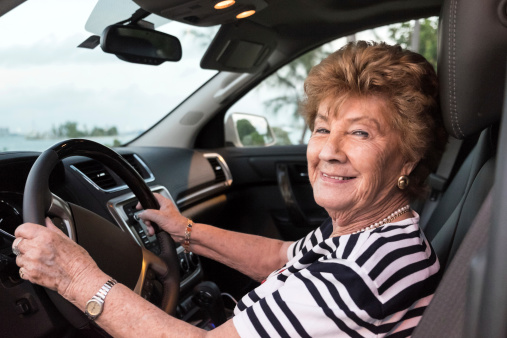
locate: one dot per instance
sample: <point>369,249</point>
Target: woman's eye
<point>360,133</point>
<point>321,131</point>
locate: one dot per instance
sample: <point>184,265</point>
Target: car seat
<point>471,69</point>
<point>472,63</point>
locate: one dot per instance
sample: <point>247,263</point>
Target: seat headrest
<point>471,64</point>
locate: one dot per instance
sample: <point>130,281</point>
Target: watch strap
<point>100,297</point>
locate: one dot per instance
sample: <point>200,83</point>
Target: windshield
<point>52,90</point>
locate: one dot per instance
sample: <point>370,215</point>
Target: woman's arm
<point>49,258</point>
<point>255,256</point>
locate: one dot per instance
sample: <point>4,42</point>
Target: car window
<point>52,90</point>
<point>277,98</point>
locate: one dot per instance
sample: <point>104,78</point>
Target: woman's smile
<point>341,179</point>
<point>354,157</point>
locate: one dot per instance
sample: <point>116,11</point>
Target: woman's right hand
<point>168,218</point>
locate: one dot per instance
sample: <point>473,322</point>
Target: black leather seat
<point>461,201</point>
<point>472,72</point>
<point>471,68</point>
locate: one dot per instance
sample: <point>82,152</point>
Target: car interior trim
<point>226,183</point>
<point>151,177</point>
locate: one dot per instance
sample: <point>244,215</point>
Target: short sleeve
<point>327,300</point>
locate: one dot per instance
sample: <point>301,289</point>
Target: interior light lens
<point>245,14</point>
<point>224,4</point>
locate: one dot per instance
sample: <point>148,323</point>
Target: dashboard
<point>195,181</point>
<point>11,212</point>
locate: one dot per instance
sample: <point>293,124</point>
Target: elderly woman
<point>367,271</point>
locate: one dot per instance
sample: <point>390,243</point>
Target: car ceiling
<point>300,19</point>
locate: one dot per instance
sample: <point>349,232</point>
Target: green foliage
<point>71,130</point>
<point>248,134</point>
<point>96,131</point>
<point>289,77</point>
<point>68,129</point>
<point>402,34</point>
<point>282,137</point>
<point>116,143</point>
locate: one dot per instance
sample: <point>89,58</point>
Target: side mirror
<point>140,45</point>
<point>248,130</point>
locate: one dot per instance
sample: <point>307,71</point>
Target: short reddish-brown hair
<point>404,79</point>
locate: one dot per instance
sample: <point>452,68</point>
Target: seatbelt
<point>438,180</point>
<point>445,316</point>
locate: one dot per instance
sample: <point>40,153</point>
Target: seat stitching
<point>453,105</point>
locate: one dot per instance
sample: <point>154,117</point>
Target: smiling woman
<point>48,81</point>
<point>353,159</point>
<point>368,270</point>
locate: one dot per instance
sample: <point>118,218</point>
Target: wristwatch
<point>95,305</point>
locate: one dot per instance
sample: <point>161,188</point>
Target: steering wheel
<point>114,251</point>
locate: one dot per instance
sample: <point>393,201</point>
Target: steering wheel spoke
<point>152,267</point>
<point>61,209</point>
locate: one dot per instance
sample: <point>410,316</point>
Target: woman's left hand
<point>49,258</point>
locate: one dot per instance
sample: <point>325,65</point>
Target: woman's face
<point>354,158</point>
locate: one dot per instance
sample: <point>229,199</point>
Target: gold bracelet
<point>188,232</point>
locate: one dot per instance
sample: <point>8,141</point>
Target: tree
<point>68,129</point>
<point>71,130</point>
<point>248,134</point>
<point>288,82</point>
<point>403,34</point>
<point>289,77</point>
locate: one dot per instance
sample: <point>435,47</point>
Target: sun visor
<point>240,47</point>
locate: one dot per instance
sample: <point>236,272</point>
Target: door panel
<point>271,186</point>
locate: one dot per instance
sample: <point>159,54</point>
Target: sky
<point>47,80</point>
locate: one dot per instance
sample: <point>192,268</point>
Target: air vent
<point>135,162</point>
<point>220,168</point>
<point>223,179</point>
<point>96,173</point>
<point>217,168</point>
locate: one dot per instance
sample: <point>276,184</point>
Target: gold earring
<point>403,182</point>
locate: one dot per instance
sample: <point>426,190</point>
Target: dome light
<point>224,4</point>
<point>245,14</point>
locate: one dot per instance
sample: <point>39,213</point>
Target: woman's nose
<point>332,150</point>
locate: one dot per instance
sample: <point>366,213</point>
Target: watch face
<point>93,308</point>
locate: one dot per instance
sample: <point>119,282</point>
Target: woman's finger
<point>50,225</point>
<point>151,215</point>
<point>27,230</point>
<point>149,227</point>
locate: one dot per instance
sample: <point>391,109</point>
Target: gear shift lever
<point>207,295</point>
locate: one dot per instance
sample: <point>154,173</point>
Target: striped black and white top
<point>372,284</point>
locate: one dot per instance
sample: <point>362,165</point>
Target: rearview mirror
<point>140,45</point>
<point>248,130</point>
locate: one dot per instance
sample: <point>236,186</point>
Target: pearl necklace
<point>386,220</point>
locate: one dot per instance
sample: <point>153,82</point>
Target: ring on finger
<point>15,249</point>
<point>21,273</point>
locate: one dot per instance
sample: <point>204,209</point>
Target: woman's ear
<point>408,167</point>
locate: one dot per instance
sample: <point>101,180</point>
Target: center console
<point>123,209</point>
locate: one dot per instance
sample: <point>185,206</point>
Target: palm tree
<point>289,80</point>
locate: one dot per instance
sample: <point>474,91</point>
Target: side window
<point>277,98</point>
